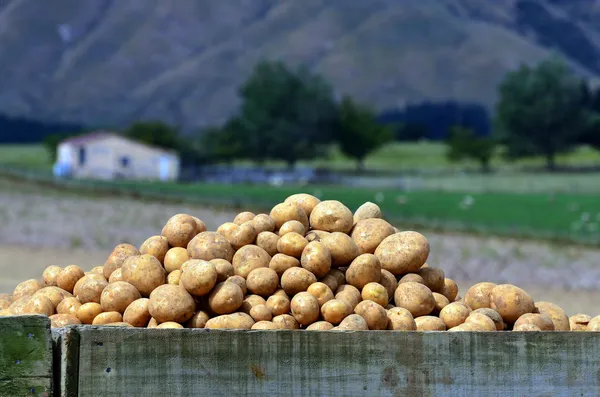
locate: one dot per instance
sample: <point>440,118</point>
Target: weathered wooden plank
<point>66,361</point>
<point>25,356</point>
<point>155,362</point>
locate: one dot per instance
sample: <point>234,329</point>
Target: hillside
<point>107,62</point>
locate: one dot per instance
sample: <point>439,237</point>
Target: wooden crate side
<point>66,361</point>
<point>156,362</point>
<point>25,356</point>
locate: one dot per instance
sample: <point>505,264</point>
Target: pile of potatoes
<point>308,264</point>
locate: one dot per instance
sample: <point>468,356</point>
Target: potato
<point>320,326</point>
<point>330,281</point>
<point>415,297</point>
<point>230,321</point>
<point>107,318</point>
<point>157,246</point>
<point>144,272</point>
<point>174,258</point>
<point>320,291</point>
<point>510,301</point>
<point>55,294</point>
<point>594,324</point>
<point>388,281</point>
<point>115,276</point>
<point>335,310</point>
<point>281,262</point>
<point>316,235</point>
<point>316,259</point>
<point>68,306</point>
<point>27,288</point>
<point>116,258</point>
<point>292,226</point>
<point>291,244</point>
<point>558,315</point>
<point>50,275</point>
<point>339,276</point>
<point>369,233</point>
<point>305,308</point>
<point>286,321</point>
<point>284,212</point>
<point>466,327</point>
<point>174,278</point>
<point>169,324</point>
<point>527,327</point>
<point>542,321</point>
<point>89,288</point>
<point>579,322</point>
<point>240,281</point>
<point>263,223</point>
<point>278,304</point>
<point>303,200</point>
<point>433,278</point>
<point>36,304</point>
<point>6,312</point>
<point>353,322</point>
<point>179,230</point>
<point>262,281</point>
<point>5,301</point>
<point>248,258</point>
<point>367,211</point>
<point>450,289</point>
<point>261,313</point>
<point>243,217</point>
<point>88,312</point>
<point>63,320</point>
<point>238,235</point>
<point>341,247</point>
<point>454,314</point>
<point>348,293</point>
<point>363,270</point>
<point>17,306</point>
<point>268,242</point>
<point>331,216</point>
<point>296,279</point>
<point>375,292</point>
<point>478,296</point>
<point>198,320</point>
<point>171,303</point>
<point>117,296</point>
<point>98,270</point>
<point>224,269</point>
<point>403,252</point>
<point>198,278</point>
<point>374,314</point>
<point>411,278</point>
<point>225,298</point>
<point>137,313</point>
<point>494,315</point>
<point>152,323</point>
<point>400,319</point>
<point>440,302</point>
<point>265,325</point>
<point>430,323</point>
<point>483,322</point>
<point>200,226</point>
<point>210,245</point>
<point>250,301</point>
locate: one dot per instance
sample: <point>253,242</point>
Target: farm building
<point>105,155</point>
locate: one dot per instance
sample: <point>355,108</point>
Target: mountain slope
<point>109,62</point>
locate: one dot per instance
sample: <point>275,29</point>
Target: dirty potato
<point>225,298</point>
<point>88,312</point>
<point>303,200</point>
<point>375,292</point>
<point>224,269</point>
<point>262,281</point>
<point>174,258</point>
<point>171,303</point>
<point>248,258</point>
<point>268,242</point>
<point>297,279</point>
<point>179,230</point>
<point>284,212</point>
<point>440,302</point>
<point>157,246</point>
<point>335,310</point>
<point>244,217</point>
<point>68,277</point>
<point>542,321</point>
<point>369,233</point>
<point>416,298</point>
<point>388,281</point>
<point>353,322</point>
<point>107,318</point>
<point>198,320</point>
<point>137,313</point>
<point>478,296</point>
<point>368,210</point>
<point>374,314</point>
<point>230,321</point>
<point>403,252</point>
<point>494,315</point>
<point>63,320</point>
<point>144,272</point>
<point>292,226</point>
<point>400,319</point>
<point>68,306</point>
<point>210,245</point>
<point>261,313</point>
<point>286,321</point>
<point>320,326</point>
<point>305,308</point>
<point>281,262</point>
<point>316,259</point>
<point>454,314</point>
<point>115,276</point>
<point>240,281</point>
<point>117,296</point>
<point>429,323</point>
<point>27,288</point>
<point>331,216</point>
<point>199,277</point>
<point>50,275</point>
<point>116,258</point>
<point>579,322</point>
<point>511,302</point>
<point>558,315</point>
<point>263,223</point>
<point>250,301</point>
<point>238,235</point>
<point>483,322</point>
<point>450,289</point>
<point>341,247</point>
<point>291,244</point>
<point>433,278</point>
<point>278,304</point>
<point>363,270</point>
<point>320,291</point>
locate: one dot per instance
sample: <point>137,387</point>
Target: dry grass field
<point>40,227</point>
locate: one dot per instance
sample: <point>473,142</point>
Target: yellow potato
<point>265,325</point>
<point>115,276</point>
<point>341,247</point>
<point>262,281</point>
<point>36,304</point>
<point>144,272</point>
<point>261,313</point>
<point>594,324</point>
<point>440,302</point>
<point>558,315</point>
<point>198,278</point>
<point>348,293</point>
<point>400,319</point>
<point>303,200</point>
<point>244,217</point>
<point>263,223</point>
<point>320,326</point>
<point>225,298</point>
<point>320,291</point>
<point>316,235</point>
<point>68,306</point>
<point>63,320</point>
<point>55,294</point>
<point>179,230</point>
<point>297,279</point>
<point>403,252</point>
<point>374,314</point>
<point>369,233</point>
<point>89,288</point>
<point>291,244</point>
<point>484,322</point>
<point>363,270</point>
<point>174,277</point>
<point>331,216</point>
<point>411,278</point>
<point>137,313</point>
<point>286,321</point>
<point>152,323</point>
<point>116,258</point>
<point>579,322</point>
<point>292,226</point>
<point>353,322</point>
<point>107,318</point>
<point>50,275</point>
<point>527,327</point>
<point>169,324</point>
<point>316,259</point>
<point>281,262</point>
<point>174,258</point>
<point>224,269</point>
<point>230,321</point>
<point>478,296</point>
<point>375,292</point>
<point>248,258</point>
<point>238,235</point>
<point>27,288</point>
<point>68,277</point>
<point>88,311</point>
<point>200,226</point>
<point>171,303</point>
<point>157,246</point>
<point>305,308</point>
<point>450,289</point>
<point>433,278</point>
<point>210,245</point>
<point>198,320</point>
<point>335,310</point>
<point>511,302</point>
<point>415,297</point>
<point>494,315</point>
<point>454,314</point>
<point>98,270</point>
<point>430,323</point>
<point>268,241</point>
<point>368,210</point>
<point>117,296</point>
<point>284,212</point>
<point>250,301</point>
<point>240,281</point>
<point>278,304</point>
<point>542,321</point>
<point>388,281</point>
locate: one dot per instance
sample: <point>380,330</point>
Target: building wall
<point>116,157</point>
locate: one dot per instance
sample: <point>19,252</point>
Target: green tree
<point>286,114</point>
<point>357,131</point>
<point>591,104</point>
<point>539,111</point>
<point>155,133</point>
<point>225,144</point>
<point>52,141</point>
<point>463,144</point>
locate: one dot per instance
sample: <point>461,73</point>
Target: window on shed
<point>125,161</point>
<point>82,155</point>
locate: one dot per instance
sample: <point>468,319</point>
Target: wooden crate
<point>169,362</point>
<point>25,356</point>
